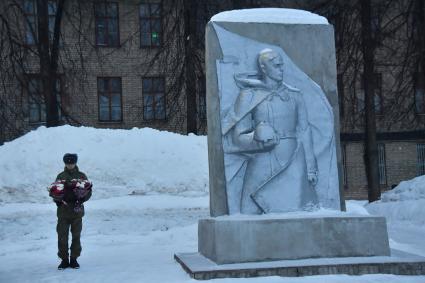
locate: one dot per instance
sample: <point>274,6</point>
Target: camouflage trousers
<point>67,219</point>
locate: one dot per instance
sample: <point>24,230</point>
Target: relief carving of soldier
<point>270,129</point>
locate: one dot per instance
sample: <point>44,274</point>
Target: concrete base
<point>399,263</point>
<point>238,239</point>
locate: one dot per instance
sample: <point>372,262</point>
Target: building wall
<point>401,159</point>
<point>83,63</point>
<point>130,62</point>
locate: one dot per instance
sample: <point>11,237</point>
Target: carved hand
<point>266,135</point>
<point>312,177</point>
<point>271,142</point>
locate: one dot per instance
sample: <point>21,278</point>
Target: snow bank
<point>406,202</point>
<point>409,210</point>
<point>270,15</point>
<point>406,190</point>
<point>118,162</point>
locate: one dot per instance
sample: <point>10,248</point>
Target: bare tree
<point>180,58</point>
<point>371,149</point>
<point>48,53</point>
<point>391,49</point>
<point>190,13</point>
<point>419,41</point>
<point>30,44</point>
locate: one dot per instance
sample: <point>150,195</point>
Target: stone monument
<point>254,60</point>
<point>273,146</point>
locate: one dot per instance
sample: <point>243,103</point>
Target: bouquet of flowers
<point>80,188</point>
<point>56,190</point>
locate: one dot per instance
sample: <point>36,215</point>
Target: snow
<point>404,209</point>
<point>408,210</point>
<point>270,15</point>
<point>132,237</point>
<point>406,202</point>
<point>407,190</point>
<point>118,162</point>
<point>314,213</point>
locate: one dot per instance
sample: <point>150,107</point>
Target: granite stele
<point>273,147</point>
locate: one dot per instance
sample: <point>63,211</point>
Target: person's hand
<point>312,177</point>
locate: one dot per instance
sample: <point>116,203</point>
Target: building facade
<point>123,64</point>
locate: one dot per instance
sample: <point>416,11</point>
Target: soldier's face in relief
<point>272,66</point>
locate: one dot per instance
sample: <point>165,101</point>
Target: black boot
<point>73,263</point>
<point>64,264</point>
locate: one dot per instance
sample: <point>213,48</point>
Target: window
<point>2,118</point>
<point>150,24</point>
<point>377,99</point>
<point>375,26</point>
<point>31,20</point>
<point>202,107</point>
<point>30,11</point>
<point>37,107</point>
<point>344,164</point>
<point>340,86</point>
<point>107,27</point>
<point>52,9</point>
<point>36,103</point>
<point>110,104</point>
<point>381,164</point>
<point>378,103</point>
<point>420,149</point>
<point>153,98</point>
<point>420,93</point>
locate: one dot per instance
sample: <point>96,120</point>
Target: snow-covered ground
<point>150,190</point>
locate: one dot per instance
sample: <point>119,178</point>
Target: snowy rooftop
<point>270,15</point>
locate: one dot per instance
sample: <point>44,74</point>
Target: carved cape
<point>252,93</point>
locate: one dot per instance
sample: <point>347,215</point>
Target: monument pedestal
<point>237,239</point>
<point>297,245</point>
<point>399,263</point>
